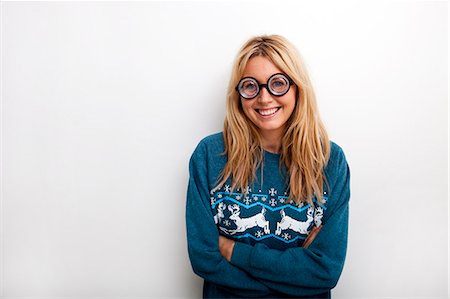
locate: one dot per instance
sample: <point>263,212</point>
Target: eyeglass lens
<point>277,85</point>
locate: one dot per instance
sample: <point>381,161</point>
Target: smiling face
<point>269,113</point>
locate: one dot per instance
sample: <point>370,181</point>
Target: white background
<point>103,103</point>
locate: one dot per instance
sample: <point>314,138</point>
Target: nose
<point>264,95</point>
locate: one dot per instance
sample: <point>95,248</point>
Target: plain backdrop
<point>102,104</point>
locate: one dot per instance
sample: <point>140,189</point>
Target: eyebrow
<point>248,76</point>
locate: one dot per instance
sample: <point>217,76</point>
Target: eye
<point>279,84</point>
<point>249,86</point>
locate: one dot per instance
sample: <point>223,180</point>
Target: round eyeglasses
<point>277,85</point>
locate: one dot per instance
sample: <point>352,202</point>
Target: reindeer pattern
<point>263,215</point>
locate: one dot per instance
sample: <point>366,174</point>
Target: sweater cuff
<point>241,255</point>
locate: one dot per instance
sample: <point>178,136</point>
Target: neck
<point>271,141</point>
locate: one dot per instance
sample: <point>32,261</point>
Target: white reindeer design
<point>318,216</point>
<point>220,208</point>
<point>246,223</point>
<point>291,223</point>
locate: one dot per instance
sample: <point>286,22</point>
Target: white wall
<point>103,103</point>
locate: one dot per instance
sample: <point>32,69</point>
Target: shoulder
<point>337,175</point>
<point>208,158</point>
<point>213,142</point>
<point>210,147</point>
<point>337,154</point>
<point>337,165</point>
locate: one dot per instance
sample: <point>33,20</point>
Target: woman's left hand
<point>226,247</point>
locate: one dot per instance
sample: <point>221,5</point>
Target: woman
<point>270,180</point>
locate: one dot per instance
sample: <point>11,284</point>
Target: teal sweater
<point>268,259</point>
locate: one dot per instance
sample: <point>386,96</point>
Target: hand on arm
<point>312,235</point>
<point>226,247</point>
<point>302,271</point>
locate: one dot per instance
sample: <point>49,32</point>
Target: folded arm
<point>203,239</point>
<point>304,271</point>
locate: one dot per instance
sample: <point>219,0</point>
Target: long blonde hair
<point>305,147</point>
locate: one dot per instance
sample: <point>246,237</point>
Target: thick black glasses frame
<point>265,86</point>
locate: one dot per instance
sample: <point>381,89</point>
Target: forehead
<point>260,68</point>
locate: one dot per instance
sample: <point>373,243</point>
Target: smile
<point>267,112</point>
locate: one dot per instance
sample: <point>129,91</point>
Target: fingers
<point>312,235</point>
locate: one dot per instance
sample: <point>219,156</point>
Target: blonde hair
<point>305,147</point>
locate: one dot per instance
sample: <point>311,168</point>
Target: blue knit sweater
<point>268,260</point>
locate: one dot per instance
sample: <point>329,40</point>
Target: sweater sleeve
<point>305,271</point>
<point>203,237</point>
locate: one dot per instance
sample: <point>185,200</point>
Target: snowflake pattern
<point>238,197</point>
<point>263,198</point>
<point>219,195</point>
<point>286,236</point>
<point>259,234</point>
<point>226,222</point>
<point>247,200</point>
<point>227,188</point>
<point>273,202</point>
<point>272,191</point>
<point>255,198</point>
<point>282,200</point>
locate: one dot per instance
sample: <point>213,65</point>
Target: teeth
<point>267,111</point>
